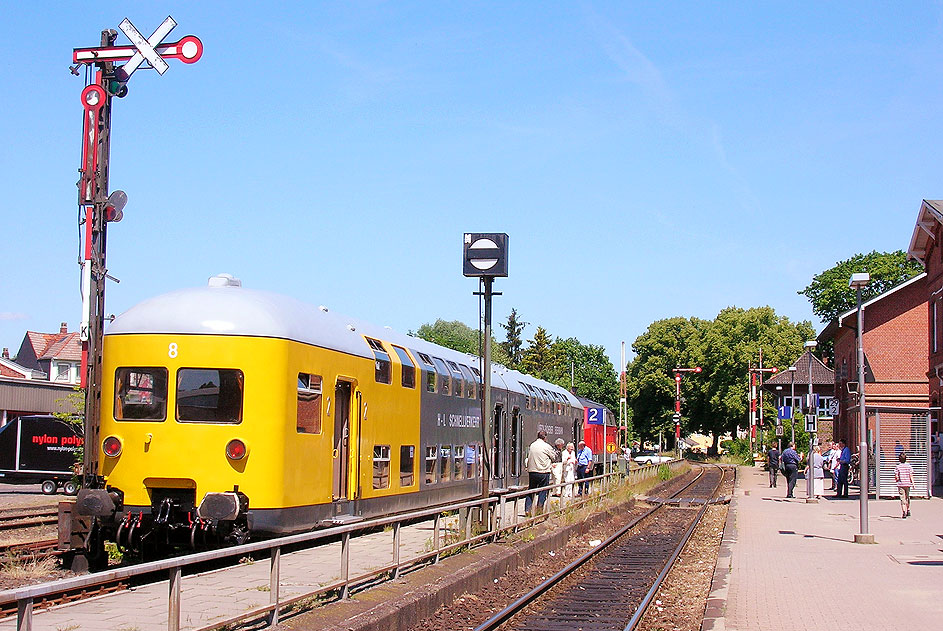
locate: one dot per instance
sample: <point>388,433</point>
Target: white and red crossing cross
<point>188,50</point>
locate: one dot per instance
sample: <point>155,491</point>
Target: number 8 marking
<point>172,350</point>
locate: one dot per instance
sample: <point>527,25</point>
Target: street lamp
<point>792,403</point>
<point>810,489</point>
<point>858,282</point>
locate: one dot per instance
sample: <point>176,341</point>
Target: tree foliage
<point>830,294</point>
<point>714,401</point>
<point>513,343</point>
<point>458,336</point>
<point>537,359</point>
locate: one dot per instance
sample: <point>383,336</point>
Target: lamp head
<point>791,369</point>
<point>859,280</point>
<point>811,344</point>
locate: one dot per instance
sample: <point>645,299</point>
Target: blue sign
<point>595,416</point>
<point>785,411</point>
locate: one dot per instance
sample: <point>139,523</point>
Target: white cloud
<point>12,315</point>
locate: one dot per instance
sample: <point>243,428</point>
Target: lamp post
<point>810,489</point>
<point>792,402</point>
<point>858,282</point>
<point>779,442</point>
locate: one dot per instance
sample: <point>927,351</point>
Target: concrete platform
<point>788,565</point>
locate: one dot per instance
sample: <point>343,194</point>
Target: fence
<point>458,518</point>
<point>892,431</point>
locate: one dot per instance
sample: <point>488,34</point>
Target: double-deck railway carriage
<point>228,412</point>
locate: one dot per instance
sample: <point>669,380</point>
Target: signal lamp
<point>111,446</point>
<point>118,88</point>
<point>235,449</point>
<point>697,369</point>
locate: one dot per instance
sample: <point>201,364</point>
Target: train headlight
<point>112,446</point>
<point>236,449</point>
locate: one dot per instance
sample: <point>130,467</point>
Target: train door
<point>516,442</point>
<point>577,430</point>
<point>499,441</point>
<point>341,438</point>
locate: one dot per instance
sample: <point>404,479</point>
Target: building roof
<point>847,318</point>
<point>47,346</point>
<point>66,347</point>
<point>931,211</point>
<point>821,374</point>
<point>9,368</point>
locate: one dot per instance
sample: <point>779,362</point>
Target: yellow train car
<point>229,412</point>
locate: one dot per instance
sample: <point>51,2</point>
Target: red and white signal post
<point>103,81</point>
<point>677,415</point>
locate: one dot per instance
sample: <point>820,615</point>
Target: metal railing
<point>490,511</point>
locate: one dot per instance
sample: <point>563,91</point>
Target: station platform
<point>787,565</point>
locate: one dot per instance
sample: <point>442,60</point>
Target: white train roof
<point>224,307</point>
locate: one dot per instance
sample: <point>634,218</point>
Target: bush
<point>739,450</point>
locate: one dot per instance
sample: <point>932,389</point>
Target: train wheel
<point>48,487</point>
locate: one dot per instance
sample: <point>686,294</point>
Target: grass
<point>27,570</point>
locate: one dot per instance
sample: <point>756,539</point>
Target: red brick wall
<point>934,268</point>
<point>895,345</point>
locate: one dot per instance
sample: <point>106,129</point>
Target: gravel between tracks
<point>679,604</point>
<point>470,610</point>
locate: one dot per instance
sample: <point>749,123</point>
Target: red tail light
<point>111,446</point>
<point>235,449</point>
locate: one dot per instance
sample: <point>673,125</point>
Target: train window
<point>381,466</point>
<point>428,370</point>
<point>309,404</point>
<point>470,389</point>
<point>457,380</point>
<point>445,386</point>
<point>209,395</point>
<point>459,462</point>
<point>383,373</point>
<point>431,456</point>
<point>477,373</point>
<point>471,462</point>
<point>526,397</point>
<point>407,465</point>
<point>409,369</point>
<point>141,394</point>
<point>445,457</point>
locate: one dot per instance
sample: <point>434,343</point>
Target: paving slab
<point>786,564</point>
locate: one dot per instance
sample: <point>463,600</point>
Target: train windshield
<point>141,394</point>
<point>209,395</point>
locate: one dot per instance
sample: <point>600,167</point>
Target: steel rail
<point>514,608</point>
<point>647,600</point>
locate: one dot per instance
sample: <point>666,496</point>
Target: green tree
<point>513,344</point>
<point>715,401</point>
<point>593,375</point>
<point>458,336</point>
<point>830,294</point>
<point>538,359</point>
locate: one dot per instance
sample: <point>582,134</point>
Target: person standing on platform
<point>540,456</point>
<point>844,460</point>
<point>584,467</point>
<point>569,469</point>
<point>557,477</point>
<point>904,476</point>
<point>791,461</point>
<point>833,465</point>
<point>816,468</point>
<point>772,461</point>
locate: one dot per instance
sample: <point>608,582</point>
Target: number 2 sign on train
<point>40,450</point>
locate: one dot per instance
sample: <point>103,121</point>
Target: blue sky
<point>647,159</point>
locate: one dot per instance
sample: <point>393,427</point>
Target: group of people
<point>836,462</point>
<point>549,465</point>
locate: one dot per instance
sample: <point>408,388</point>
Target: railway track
<point>611,586</point>
<point>26,518</point>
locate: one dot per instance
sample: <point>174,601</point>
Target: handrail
<point>24,596</point>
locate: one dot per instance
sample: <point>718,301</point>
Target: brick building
<point>895,353</point>
<point>59,355</point>
<point>925,248</point>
